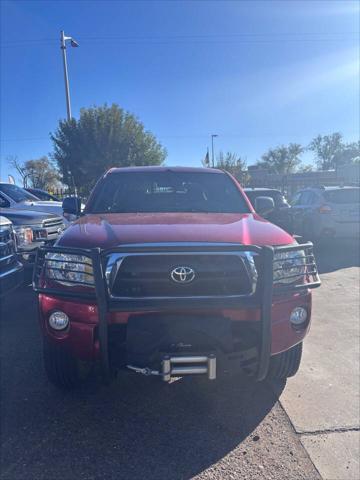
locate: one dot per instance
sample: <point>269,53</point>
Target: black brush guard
<point>98,288</point>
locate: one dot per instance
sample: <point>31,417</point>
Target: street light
<point>73,43</point>
<point>213,135</point>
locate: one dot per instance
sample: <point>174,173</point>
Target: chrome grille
<point>56,222</point>
<point>150,276</point>
<point>7,247</point>
<point>50,230</point>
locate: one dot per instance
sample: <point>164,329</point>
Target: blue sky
<point>257,73</point>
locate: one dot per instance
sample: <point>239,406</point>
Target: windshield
<point>16,193</point>
<point>41,195</point>
<point>140,192</point>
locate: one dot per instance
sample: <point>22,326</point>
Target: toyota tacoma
<point>170,272</point>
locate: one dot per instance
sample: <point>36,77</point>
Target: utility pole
<point>213,135</point>
<point>73,43</point>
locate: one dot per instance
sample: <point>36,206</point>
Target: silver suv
<point>327,212</point>
<point>12,196</point>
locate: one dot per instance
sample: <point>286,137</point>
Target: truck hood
<point>110,230</point>
<point>28,217</point>
<point>43,206</point>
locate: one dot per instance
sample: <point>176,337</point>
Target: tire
<point>285,364</point>
<point>308,231</point>
<point>62,369</point>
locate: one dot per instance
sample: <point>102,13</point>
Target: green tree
<point>327,149</point>
<point>37,173</point>
<point>232,163</point>
<point>305,168</point>
<point>283,159</point>
<point>331,152</point>
<point>349,154</point>
<point>102,138</point>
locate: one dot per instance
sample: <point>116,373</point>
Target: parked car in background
<point>42,194</point>
<point>12,196</point>
<point>280,215</point>
<point>327,212</point>
<point>11,270</point>
<point>32,230</point>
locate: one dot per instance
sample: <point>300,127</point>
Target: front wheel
<point>62,369</point>
<point>308,231</point>
<point>285,364</point>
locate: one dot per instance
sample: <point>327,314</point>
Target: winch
<point>177,366</point>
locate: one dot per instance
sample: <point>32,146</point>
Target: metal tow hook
<point>144,371</point>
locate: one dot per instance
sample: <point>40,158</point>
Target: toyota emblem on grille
<point>182,274</point>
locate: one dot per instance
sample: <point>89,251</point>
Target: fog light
<point>298,316</point>
<point>58,320</point>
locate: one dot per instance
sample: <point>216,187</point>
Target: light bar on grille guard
<point>65,271</point>
<point>70,271</point>
<point>294,268</point>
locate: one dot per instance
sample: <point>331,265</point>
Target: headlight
<point>69,269</point>
<point>24,235</point>
<point>40,234</point>
<point>289,267</point>
<point>5,227</point>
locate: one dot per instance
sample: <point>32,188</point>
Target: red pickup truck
<point>170,272</point>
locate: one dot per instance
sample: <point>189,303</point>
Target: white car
<point>12,196</point>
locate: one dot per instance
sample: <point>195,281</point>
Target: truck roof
<point>261,189</point>
<point>331,187</point>
<point>164,169</point>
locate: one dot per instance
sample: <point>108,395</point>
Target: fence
<point>291,183</point>
<point>61,193</point>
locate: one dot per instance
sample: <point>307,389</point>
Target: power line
<point>183,136</point>
<point>253,37</point>
<point>30,139</point>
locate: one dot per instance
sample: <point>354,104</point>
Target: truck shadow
<point>332,255</point>
<point>136,427</point>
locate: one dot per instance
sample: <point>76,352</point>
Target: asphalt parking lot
<point>139,428</point>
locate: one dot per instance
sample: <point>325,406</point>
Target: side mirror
<point>72,205</point>
<point>264,205</point>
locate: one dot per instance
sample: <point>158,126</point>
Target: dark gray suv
<point>326,212</point>
<point>32,230</point>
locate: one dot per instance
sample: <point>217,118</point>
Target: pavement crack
<point>328,430</point>
<point>292,426</point>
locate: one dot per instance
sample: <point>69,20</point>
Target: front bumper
<point>27,256</point>
<point>11,279</point>
<point>81,339</point>
<point>93,314</point>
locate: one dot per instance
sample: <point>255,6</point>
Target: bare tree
<point>18,166</point>
<point>37,173</point>
<point>234,164</point>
